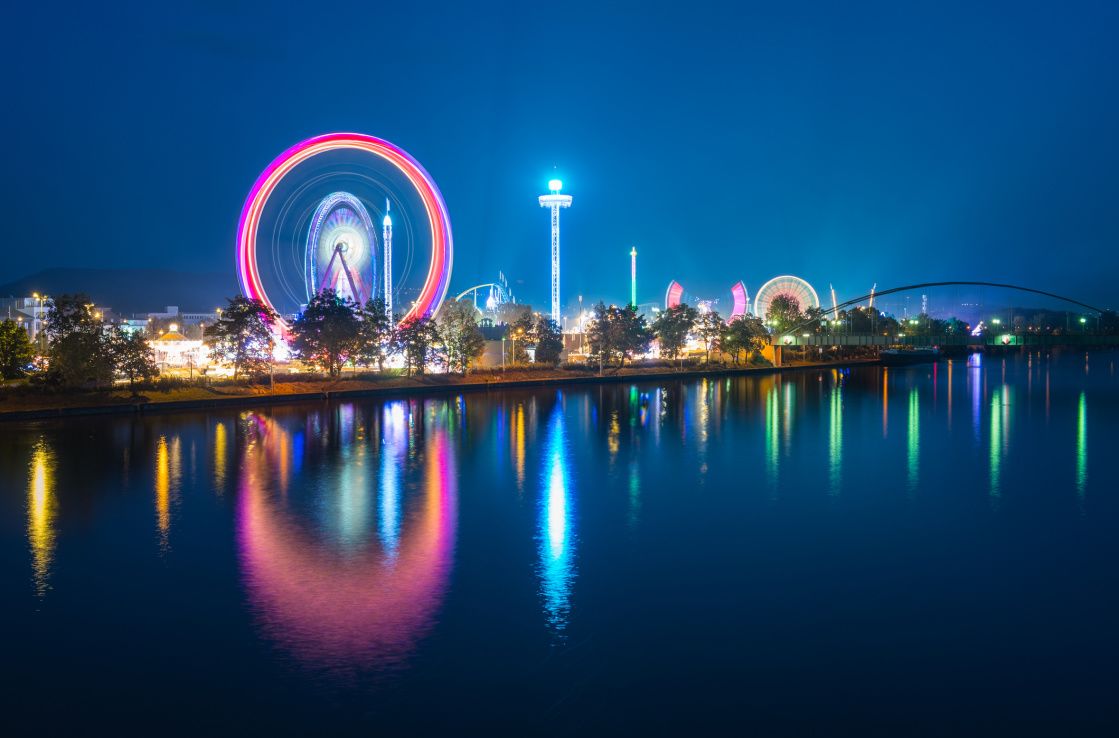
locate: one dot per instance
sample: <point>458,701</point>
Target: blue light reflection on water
<point>555,531</point>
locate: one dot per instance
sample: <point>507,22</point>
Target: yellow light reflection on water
<point>168,472</point>
<point>885,402</point>
<point>220,450</point>
<point>41,513</point>
<point>1081,444</point>
<point>613,434</point>
<point>913,439</point>
<point>519,449</point>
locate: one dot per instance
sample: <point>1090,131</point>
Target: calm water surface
<point>921,550</point>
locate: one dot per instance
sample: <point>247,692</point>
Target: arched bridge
<point>793,336</point>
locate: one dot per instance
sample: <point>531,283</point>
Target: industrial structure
<point>555,201</point>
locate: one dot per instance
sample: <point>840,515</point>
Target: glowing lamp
<point>173,327</point>
<point>555,185</point>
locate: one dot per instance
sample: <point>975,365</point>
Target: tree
<point>783,313</point>
<point>813,320</point>
<point>617,333</point>
<point>549,341</point>
<point>709,329</point>
<point>418,340</point>
<point>77,347</point>
<point>328,332</point>
<point>374,333</point>
<point>133,357</point>
<point>746,335</point>
<point>462,340</point>
<point>242,336</point>
<point>16,350</point>
<point>672,328</point>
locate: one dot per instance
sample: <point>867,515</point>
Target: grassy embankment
<point>20,398</point>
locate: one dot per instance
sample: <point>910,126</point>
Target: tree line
<point>616,335</point>
<point>81,350</point>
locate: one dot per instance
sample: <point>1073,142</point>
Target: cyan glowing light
<point>555,185</point>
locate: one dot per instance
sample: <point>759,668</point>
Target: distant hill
<point>132,290</point>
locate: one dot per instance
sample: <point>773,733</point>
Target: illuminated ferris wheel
<point>308,224</point>
<point>341,249</point>
<point>788,286</point>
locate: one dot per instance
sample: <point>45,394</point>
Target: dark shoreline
<point>145,408</point>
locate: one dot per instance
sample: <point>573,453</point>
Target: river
<point>901,551</point>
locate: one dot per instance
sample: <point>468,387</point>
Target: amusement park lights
<point>439,271</point>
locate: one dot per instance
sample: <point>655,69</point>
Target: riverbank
<point>29,405</point>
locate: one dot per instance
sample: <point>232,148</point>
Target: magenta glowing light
<point>673,294</point>
<point>741,300</point>
<point>439,272</point>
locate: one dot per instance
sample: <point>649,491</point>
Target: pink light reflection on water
<point>347,610</point>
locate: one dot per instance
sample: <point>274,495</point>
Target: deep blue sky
<point>846,142</point>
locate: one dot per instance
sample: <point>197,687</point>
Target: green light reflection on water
<point>913,440</point>
<point>835,439</point>
<point>1081,444</point>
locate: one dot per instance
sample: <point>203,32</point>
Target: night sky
<point>849,143</point>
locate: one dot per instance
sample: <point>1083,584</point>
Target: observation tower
<point>633,276</point>
<point>555,201</point>
<point>386,236</point>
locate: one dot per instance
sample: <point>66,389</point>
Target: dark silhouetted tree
<point>328,332</point>
<point>16,350</point>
